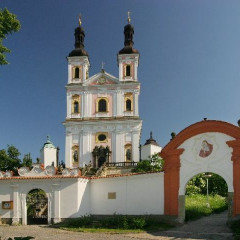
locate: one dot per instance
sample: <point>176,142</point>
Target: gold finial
<point>80,19</point>
<point>103,65</point>
<point>129,18</point>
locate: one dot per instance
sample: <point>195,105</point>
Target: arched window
<point>128,105</point>
<point>102,105</point>
<point>76,107</point>
<point>128,101</point>
<point>128,71</point>
<point>76,75</point>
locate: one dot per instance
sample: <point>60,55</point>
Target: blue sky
<point>189,63</point>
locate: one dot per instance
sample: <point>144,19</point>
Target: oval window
<point>102,137</point>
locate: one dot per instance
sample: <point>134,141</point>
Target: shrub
<point>138,223</point>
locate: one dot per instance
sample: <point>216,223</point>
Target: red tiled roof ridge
<point>84,177</point>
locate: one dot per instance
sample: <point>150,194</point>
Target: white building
<point>102,122</point>
<point>49,154</point>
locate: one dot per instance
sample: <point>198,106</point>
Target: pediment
<point>102,78</point>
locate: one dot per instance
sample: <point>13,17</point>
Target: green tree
<point>8,24</point>
<point>27,161</point>
<point>155,164</point>
<point>198,185</point>
<point>9,159</point>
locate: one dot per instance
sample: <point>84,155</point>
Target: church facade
<point>102,122</point>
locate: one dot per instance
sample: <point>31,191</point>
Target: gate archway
<point>207,146</point>
<point>37,207</point>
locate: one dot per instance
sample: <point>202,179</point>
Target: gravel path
<point>212,227</point>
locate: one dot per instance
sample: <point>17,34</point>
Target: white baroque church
<point>102,110</point>
<point>103,128</point>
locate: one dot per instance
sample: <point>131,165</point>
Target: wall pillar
<point>135,146</point>
<point>68,149</point>
<point>235,145</point>
<point>181,208</point>
<point>171,181</point>
<point>56,202</point>
<point>230,205</point>
<point>15,219</point>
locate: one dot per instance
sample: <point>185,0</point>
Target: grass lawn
<point>196,206</point>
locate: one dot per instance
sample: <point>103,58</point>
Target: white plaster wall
<point>6,194</point>
<point>219,161</point>
<point>49,156</point>
<point>148,150</point>
<point>135,195</point>
<point>74,198</point>
<point>67,197</point>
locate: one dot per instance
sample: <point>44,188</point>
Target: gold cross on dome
<point>129,18</point>
<point>80,19</point>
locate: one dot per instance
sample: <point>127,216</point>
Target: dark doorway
<point>37,207</point>
<point>101,161</point>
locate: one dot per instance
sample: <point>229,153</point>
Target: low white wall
<point>135,195</point>
<point>74,197</point>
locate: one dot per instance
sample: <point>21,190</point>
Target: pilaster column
<point>135,69</point>
<point>56,201</point>
<point>68,150</point>
<point>114,103</point>
<point>135,146</point>
<point>119,103</point>
<point>69,73</point>
<point>85,112</point>
<point>69,105</point>
<point>15,219</point>
<point>235,145</point>
<point>135,99</point>
<point>117,152</point>
<point>87,149</point>
<point>171,181</point>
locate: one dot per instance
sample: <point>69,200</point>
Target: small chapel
<point>102,145</point>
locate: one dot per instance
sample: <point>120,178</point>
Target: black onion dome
<point>128,40</point>
<point>79,43</point>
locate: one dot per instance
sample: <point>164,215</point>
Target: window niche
<point>128,153</point>
<point>76,104</point>
<point>75,154</point>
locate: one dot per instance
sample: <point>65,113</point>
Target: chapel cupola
<point>128,57</point>
<point>149,148</point>
<point>78,67</point>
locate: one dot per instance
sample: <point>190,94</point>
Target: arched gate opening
<point>37,207</point>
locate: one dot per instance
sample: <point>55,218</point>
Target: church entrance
<point>37,207</point>
<point>204,147</point>
<point>101,161</point>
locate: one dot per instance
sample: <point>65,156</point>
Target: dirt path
<point>212,227</point>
